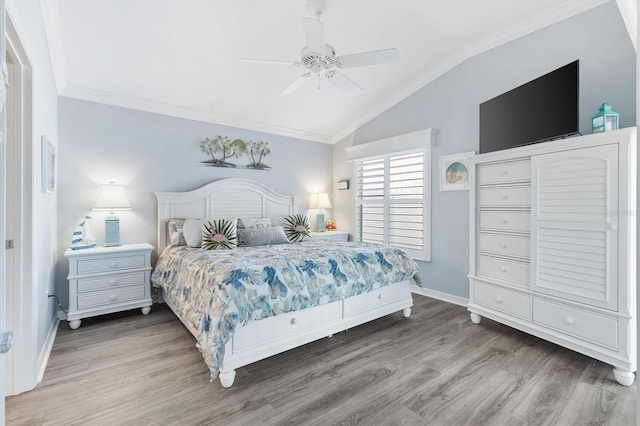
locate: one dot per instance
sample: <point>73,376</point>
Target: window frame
<point>387,201</point>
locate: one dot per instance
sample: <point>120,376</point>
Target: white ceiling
<point>181,57</point>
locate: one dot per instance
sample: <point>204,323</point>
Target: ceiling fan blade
<point>314,33</point>
<point>343,83</point>
<point>270,61</point>
<point>368,58</point>
<point>297,84</point>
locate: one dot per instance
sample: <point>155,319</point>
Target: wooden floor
<point>434,368</point>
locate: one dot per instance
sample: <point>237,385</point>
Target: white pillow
<point>254,223</point>
<point>192,231</point>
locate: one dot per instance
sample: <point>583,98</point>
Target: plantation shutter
<point>391,201</point>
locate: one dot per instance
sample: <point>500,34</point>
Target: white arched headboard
<point>240,198</point>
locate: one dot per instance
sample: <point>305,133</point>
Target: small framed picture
<point>48,169</point>
<point>454,171</point>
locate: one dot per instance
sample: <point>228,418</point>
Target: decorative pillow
<point>262,236</point>
<point>296,227</point>
<point>192,231</point>
<point>219,234</point>
<point>175,229</point>
<point>254,223</point>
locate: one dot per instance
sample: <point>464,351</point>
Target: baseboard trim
<point>435,294</point>
<point>43,359</point>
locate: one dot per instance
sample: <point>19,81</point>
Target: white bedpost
<point>227,377</point>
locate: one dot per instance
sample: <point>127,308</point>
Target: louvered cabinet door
<point>574,225</point>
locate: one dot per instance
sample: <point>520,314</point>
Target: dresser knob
<point>503,245</point>
<point>293,321</point>
<point>380,296</point>
<point>505,221</point>
<point>569,320</point>
<point>504,196</point>
<point>113,297</point>
<point>113,281</point>
<point>113,264</point>
<point>503,268</point>
<point>505,172</point>
<point>498,299</point>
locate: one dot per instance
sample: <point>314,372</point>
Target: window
<point>392,201</point>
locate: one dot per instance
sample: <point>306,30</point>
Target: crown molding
<point>113,99</point>
<point>511,33</point>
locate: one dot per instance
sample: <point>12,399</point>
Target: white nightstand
<point>333,235</point>
<point>103,280</point>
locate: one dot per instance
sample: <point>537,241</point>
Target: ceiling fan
<point>320,58</point>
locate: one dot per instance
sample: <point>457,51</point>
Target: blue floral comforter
<point>216,291</point>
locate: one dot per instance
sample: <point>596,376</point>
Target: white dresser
<point>553,246</point>
<point>103,280</point>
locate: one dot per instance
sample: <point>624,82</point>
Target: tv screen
<point>543,109</point>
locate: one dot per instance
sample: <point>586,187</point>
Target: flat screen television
<point>543,109</point>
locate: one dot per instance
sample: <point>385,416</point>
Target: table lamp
<point>112,197</point>
<point>320,201</point>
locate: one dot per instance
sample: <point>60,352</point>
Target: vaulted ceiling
<point>182,57</point>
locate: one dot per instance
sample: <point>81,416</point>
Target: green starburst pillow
<point>296,227</point>
<point>219,234</point>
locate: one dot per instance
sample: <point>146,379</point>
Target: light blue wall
<point>450,104</point>
<point>150,152</point>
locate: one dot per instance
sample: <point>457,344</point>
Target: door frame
<point>21,373</point>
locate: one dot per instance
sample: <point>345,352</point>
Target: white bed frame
<point>270,336</point>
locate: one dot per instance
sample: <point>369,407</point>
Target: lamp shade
<point>112,197</point>
<point>320,200</point>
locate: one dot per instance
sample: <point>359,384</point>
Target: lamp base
<point>320,222</point>
<point>111,231</point>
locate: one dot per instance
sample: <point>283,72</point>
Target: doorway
<point>18,208</point>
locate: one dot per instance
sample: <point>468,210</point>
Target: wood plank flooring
<point>433,368</point>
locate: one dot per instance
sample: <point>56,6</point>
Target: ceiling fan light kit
<point>321,60</point>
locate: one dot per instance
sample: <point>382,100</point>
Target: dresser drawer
<point>261,332</point>
<point>113,281</point>
<point>90,300</point>
<point>590,326</point>
<point>500,299</point>
<point>111,263</point>
<point>505,196</point>
<point>496,173</point>
<point>508,245</point>
<point>379,297</point>
<point>509,221</point>
<point>504,269</point>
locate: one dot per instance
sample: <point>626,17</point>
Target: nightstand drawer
<point>111,264</point>
<point>113,281</point>
<point>90,300</point>
<point>331,235</point>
